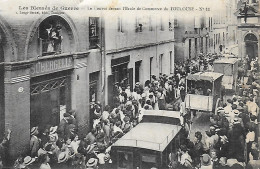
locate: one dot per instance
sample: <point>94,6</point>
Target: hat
<point>205,160</point>
<point>236,111</point>
<point>28,160</point>
<point>126,119</point>
<point>212,128</point>
<point>107,157</point>
<point>66,115</point>
<point>88,148</point>
<point>53,129</point>
<point>49,148</point>
<point>92,162</point>
<point>71,112</point>
<point>236,121</point>
<point>33,130</point>
<point>62,157</point>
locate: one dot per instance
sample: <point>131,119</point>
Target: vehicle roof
<point>152,136</point>
<point>209,76</point>
<point>226,60</point>
<point>166,113</point>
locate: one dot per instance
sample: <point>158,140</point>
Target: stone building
<point>248,19</point>
<point>50,64</point>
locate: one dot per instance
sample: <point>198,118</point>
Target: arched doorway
<point>251,45</point>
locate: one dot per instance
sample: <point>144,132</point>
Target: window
<point>151,62</point>
<point>150,23</point>
<point>161,24</point>
<point>93,32</point>
<point>171,62</point>
<point>160,63</point>
<point>125,160</point>
<point>138,25</point>
<point>137,71</point>
<point>189,48</point>
<point>201,45</point>
<point>120,25</point>
<point>196,47</point>
<point>50,36</point>
<point>176,24</point>
<point>170,26</point>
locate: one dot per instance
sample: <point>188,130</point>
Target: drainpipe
<point>103,61</point>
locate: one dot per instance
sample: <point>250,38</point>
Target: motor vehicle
<point>203,91</point>
<point>228,67</point>
<point>149,143</point>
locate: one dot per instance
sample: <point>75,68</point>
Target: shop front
<point>50,91</point>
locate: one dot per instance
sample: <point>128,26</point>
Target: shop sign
<point>42,67</point>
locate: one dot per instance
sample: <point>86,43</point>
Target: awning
<point>151,136</point>
<point>208,76</point>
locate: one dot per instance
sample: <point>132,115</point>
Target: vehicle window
<point>125,160</point>
<point>148,161</point>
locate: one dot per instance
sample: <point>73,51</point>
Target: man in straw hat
<point>34,142</point>
<point>63,160</point>
<point>92,163</point>
<point>27,161</point>
<point>206,162</point>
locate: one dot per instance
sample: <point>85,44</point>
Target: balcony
<point>50,47</point>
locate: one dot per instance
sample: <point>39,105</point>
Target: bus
<point>150,143</point>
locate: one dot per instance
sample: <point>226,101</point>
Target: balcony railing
<point>50,47</point>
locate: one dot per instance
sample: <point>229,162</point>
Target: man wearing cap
<point>63,126</point>
<point>34,142</point>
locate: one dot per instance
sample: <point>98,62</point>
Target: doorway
<point>50,99</point>
<point>251,45</point>
<point>137,71</point>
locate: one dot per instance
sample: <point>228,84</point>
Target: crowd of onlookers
<point>230,142</point>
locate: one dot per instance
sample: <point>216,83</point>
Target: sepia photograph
<point>129,84</point>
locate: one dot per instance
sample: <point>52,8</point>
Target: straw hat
<point>28,160</point>
<point>62,157</point>
<point>53,129</point>
<point>205,160</point>
<point>92,162</point>
<point>33,130</point>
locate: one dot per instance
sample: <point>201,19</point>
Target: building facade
<point>50,64</point>
<point>192,36</point>
<point>248,18</point>
<point>136,47</point>
<point>55,62</point>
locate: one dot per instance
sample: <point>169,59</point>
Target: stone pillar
<point>79,92</point>
<point>17,107</point>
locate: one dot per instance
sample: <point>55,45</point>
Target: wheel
<point>218,104</point>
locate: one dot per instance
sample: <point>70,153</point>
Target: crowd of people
<point>233,130</point>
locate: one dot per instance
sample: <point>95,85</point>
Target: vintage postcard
<point>129,84</point>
